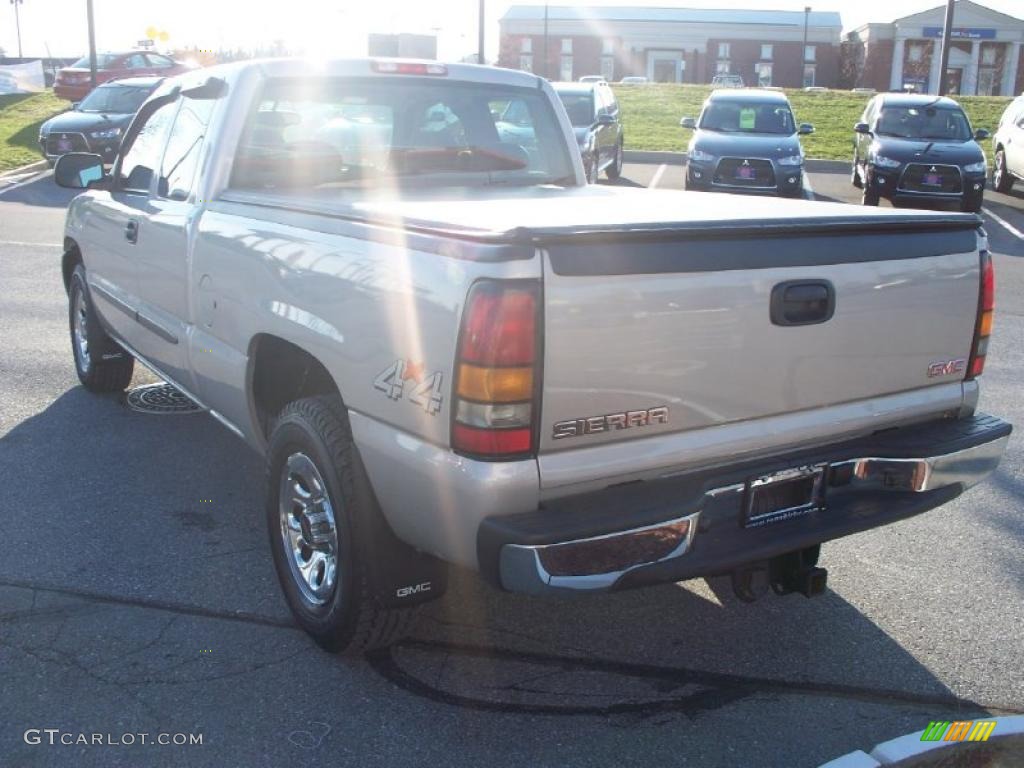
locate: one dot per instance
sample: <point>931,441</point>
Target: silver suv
<point>1008,145</point>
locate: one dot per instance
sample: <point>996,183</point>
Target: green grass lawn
<point>651,116</point>
<point>20,118</point>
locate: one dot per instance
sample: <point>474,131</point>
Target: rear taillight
<point>983,328</point>
<point>496,372</point>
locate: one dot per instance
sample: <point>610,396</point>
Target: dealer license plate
<point>63,145</point>
<point>932,180</point>
<point>745,172</point>
<point>784,495</point>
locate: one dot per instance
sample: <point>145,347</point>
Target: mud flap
<point>400,575</point>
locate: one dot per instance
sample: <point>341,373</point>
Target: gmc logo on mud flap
<point>946,367</point>
<point>415,589</point>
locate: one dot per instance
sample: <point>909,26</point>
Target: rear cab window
<point>341,133</point>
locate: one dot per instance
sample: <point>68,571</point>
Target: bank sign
<point>963,33</point>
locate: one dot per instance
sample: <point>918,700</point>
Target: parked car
<point>1008,147</point>
<point>634,80</point>
<point>98,121</point>
<point>592,79</point>
<point>597,123</point>
<point>467,354</point>
<point>727,81</point>
<point>74,82</point>
<point>746,141</point>
<point>915,149</point>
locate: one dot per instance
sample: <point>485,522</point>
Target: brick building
<point>985,58</point>
<point>676,45</point>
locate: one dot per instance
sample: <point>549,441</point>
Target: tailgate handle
<point>803,302</point>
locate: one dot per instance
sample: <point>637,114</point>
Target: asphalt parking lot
<point>137,596</point>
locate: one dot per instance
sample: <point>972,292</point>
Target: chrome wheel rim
<point>997,172</point>
<point>308,530</point>
<point>79,328</point>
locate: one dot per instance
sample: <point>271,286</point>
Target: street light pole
<point>803,55</point>
<point>480,45</point>
<point>947,34</point>
<point>544,73</point>
<point>17,23</point>
<point>92,43</point>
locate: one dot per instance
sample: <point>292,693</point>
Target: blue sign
<point>963,33</point>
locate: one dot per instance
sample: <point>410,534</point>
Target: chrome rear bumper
<point>863,492</point>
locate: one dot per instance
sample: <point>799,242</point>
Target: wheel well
<point>72,257</point>
<point>281,372</point>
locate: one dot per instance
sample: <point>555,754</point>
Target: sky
<point>339,27</point>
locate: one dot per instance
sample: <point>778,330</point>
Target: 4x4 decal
<point>425,390</point>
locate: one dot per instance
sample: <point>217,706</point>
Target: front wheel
<point>855,175</point>
<point>1002,181</point>
<point>101,365</point>
<point>590,165</point>
<point>315,502</point>
<point>868,196</point>
<point>615,169</point>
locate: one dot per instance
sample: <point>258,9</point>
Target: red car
<point>74,83</point>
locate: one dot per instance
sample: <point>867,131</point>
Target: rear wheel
<point>101,365</point>
<point>1001,178</point>
<point>314,508</point>
<point>615,169</point>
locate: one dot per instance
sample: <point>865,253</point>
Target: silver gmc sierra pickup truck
<point>451,349</point>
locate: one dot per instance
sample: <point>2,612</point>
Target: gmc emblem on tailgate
<point>626,420</point>
<point>946,367</point>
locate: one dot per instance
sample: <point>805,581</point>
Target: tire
<point>1002,181</point>
<point>591,168</point>
<point>855,176</point>
<point>614,171</point>
<point>101,364</point>
<point>311,452</point>
<point>868,196</point>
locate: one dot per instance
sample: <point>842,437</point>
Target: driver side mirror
<point>805,129</point>
<point>862,128</point>
<point>74,105</point>
<point>981,134</point>
<point>688,122</point>
<point>80,170</point>
<point>605,119</point>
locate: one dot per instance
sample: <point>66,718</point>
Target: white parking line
<point>657,176</point>
<point>808,186</point>
<point>1005,224</point>
<point>34,177</point>
<point>24,244</point>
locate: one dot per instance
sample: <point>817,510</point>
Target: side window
<point>136,61</point>
<point>869,113</point>
<point>184,146</point>
<point>613,105</point>
<point>143,155</point>
<point>159,62</point>
<point>601,100</point>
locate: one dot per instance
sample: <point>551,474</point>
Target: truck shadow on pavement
<point>150,511</point>
<point>41,191</point>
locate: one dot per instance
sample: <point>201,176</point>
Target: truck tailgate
<point>685,322</point>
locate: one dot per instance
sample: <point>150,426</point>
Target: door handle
<point>802,302</point>
<point>131,231</point>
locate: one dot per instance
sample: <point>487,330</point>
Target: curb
<point>37,165</point>
<point>679,158</point>
<point>903,748</point>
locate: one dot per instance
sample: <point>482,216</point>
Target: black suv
<point>914,149</point>
<point>595,117</point>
